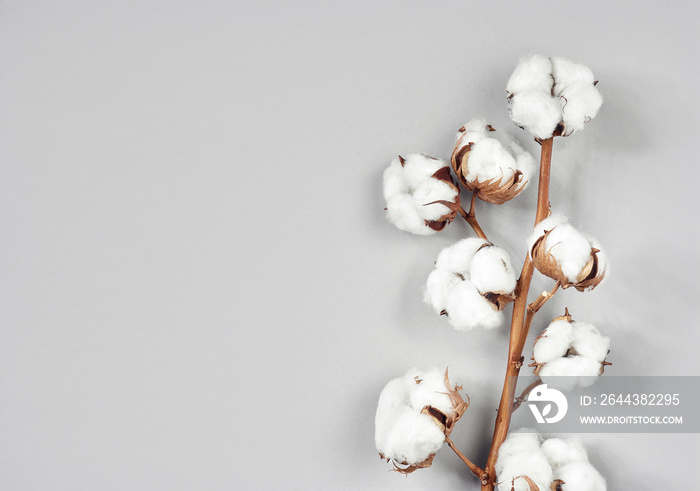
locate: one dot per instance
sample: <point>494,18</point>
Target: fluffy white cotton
<point>568,74</point>
<point>560,452</point>
<point>431,391</point>
<point>457,258</point>
<point>412,439</point>
<point>543,462</point>
<point>464,274</point>
<point>494,155</point>
<point>411,193</point>
<point>545,93</point>
<point>402,432</point>
<point>517,442</point>
<point>468,309</point>
<point>589,343</point>
<point>554,342</point>
<point>569,372</point>
<point>521,454</point>
<point>439,285</point>
<point>491,271</point>
<point>536,112</point>
<point>580,476</point>
<point>533,74</point>
<point>571,249</point>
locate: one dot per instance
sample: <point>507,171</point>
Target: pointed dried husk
<point>444,422</point>
<point>496,191</point>
<point>589,277</point>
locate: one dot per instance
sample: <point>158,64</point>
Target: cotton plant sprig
<point>474,281</point>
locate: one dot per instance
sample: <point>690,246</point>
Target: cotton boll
<point>467,309</point>
<point>401,212</point>
<point>531,74</point>
<point>432,391</point>
<point>491,271</point>
<point>571,250</point>
<point>580,476</point>
<point>588,342</point>
<point>554,342</point>
<point>538,112</point>
<point>438,287</point>
<point>562,452</point>
<point>457,258</point>
<point>420,194</point>
<point>413,438</point>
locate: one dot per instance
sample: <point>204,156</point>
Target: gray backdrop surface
<point>198,288</point>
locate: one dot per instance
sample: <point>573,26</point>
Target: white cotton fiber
<point>580,476</point>
<point>402,433</point>
<point>412,193</point>
<point>401,211</point>
<point>537,112</point>
<point>588,342</point>
<point>531,74</point>
<point>546,94</point>
<point>467,309</point>
<point>517,443</point>
<point>439,285</point>
<point>418,167</point>
<point>568,74</point>
<point>394,398</point>
<point>488,159</point>
<point>457,257</point>
<point>554,342</point>
<point>543,462</point>
<point>571,250</point>
<point>561,452</point>
<point>548,223</point>
<point>569,372</point>
<point>465,274</point>
<point>493,155</point>
<point>491,271</point>
<point>413,438</point>
<point>431,391</point>
<point>520,454</point>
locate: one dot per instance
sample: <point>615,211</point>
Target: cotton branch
<point>471,218</point>
<point>476,470</point>
<point>518,329</point>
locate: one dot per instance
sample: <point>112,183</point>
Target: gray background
<point>199,289</point>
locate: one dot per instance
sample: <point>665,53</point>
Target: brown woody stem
<point>471,218</point>
<point>518,328</point>
<point>476,470</point>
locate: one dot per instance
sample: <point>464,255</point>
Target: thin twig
<point>519,400</point>
<point>471,218</point>
<point>476,470</point>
